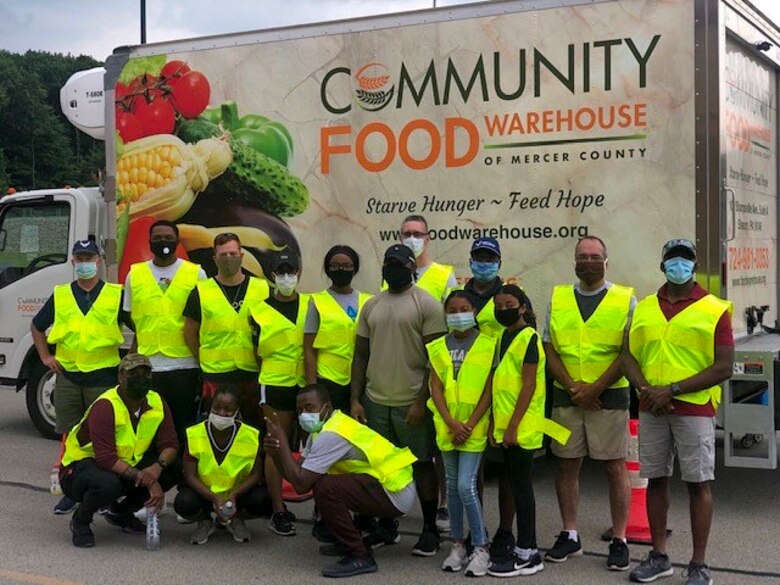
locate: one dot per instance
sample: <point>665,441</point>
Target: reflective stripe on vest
<point>507,385</point>
<point>222,478</point>
<point>90,342</point>
<point>281,344</point>
<point>588,348</point>
<point>388,464</point>
<point>434,280</point>
<point>158,318</point>
<point>462,394</point>
<point>131,444</point>
<point>225,334</point>
<point>335,339</point>
<point>674,350</point>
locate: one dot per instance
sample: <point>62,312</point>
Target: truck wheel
<point>40,399</point>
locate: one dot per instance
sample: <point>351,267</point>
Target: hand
<point>148,476</point>
<point>221,516</point>
<point>358,412</point>
<point>510,436</point>
<point>586,396</point>
<point>217,502</point>
<point>491,430</point>
<point>460,431</point>
<point>657,398</point>
<point>415,416</point>
<point>156,497</point>
<point>275,437</point>
<point>51,362</point>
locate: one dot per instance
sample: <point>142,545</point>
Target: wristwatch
<point>162,463</point>
<point>675,388</point>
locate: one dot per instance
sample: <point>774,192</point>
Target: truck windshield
<point>32,236</point>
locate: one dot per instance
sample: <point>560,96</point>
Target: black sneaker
<point>289,515</point>
<point>532,566</point>
<point>503,545</point>
<point>281,524</point>
<point>428,543</point>
<point>350,566</point>
<point>383,534</point>
<point>64,506</point>
<point>507,566</point>
<point>652,567</point>
<point>125,521</point>
<point>697,574</point>
<point>619,558</point>
<point>83,537</point>
<point>322,532</point>
<point>564,548</point>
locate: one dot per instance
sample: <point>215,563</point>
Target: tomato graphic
<point>128,125</point>
<point>174,69</point>
<point>156,117</point>
<point>190,93</point>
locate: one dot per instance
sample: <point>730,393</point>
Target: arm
<point>418,410</point>
<point>42,347</point>
<point>310,358</point>
<point>523,402</point>
<point>484,403</point>
<point>358,383</point>
<point>630,367</point>
<point>556,367</point>
<point>190,465</point>
<point>192,336</point>
<point>278,447</point>
<point>252,480</point>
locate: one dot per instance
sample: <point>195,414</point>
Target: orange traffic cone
<point>288,492</point>
<point>638,527</point>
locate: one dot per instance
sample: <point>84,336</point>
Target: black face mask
<point>341,277</point>
<point>137,387</point>
<point>163,249</point>
<point>589,272</point>
<point>396,276</point>
<point>507,317</point>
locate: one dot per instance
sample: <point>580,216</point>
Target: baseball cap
<point>134,360</point>
<point>85,247</point>
<point>680,246</point>
<point>401,253</point>
<point>489,244</point>
<point>286,258</point>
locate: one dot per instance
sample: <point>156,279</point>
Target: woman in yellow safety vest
<point>331,326</point>
<point>462,364</point>
<point>518,423</point>
<point>278,335</point>
<point>223,472</point>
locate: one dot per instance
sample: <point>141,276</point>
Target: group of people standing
<point>382,389</point>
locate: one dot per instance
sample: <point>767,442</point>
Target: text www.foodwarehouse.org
<point>500,232</point>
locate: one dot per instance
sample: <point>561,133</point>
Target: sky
<point>95,27</point>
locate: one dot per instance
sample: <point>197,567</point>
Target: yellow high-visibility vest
<point>158,318</point>
<point>674,350</point>
<point>588,348</point>
<point>507,385</point>
<point>434,280</point>
<point>222,478</point>
<point>388,464</point>
<point>131,444</point>
<point>225,334</point>
<point>464,392</point>
<point>281,344</point>
<point>90,342</point>
<point>335,339</point>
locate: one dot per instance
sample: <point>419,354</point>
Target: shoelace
<point>696,571</point>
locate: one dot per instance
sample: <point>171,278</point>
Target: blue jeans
<point>462,470</point>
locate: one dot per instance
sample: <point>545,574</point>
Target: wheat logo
<point>372,93</point>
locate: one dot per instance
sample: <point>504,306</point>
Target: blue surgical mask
<point>310,421</point>
<point>86,270</point>
<point>484,271</point>
<point>679,270</point>
<point>461,321</point>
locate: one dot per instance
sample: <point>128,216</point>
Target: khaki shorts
<point>598,434</point>
<point>691,438</point>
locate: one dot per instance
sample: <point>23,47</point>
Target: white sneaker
<point>479,562</point>
<point>456,559</point>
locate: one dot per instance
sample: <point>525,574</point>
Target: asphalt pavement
<point>35,545</point>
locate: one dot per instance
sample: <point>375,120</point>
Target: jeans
<point>462,468</point>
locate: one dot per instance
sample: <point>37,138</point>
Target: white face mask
<point>310,421</point>
<point>286,283</point>
<point>220,422</point>
<point>416,245</point>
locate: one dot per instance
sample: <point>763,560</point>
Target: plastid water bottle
<point>152,530</point>
<point>227,510</point>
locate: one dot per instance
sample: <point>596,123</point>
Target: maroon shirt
<point>724,335</point>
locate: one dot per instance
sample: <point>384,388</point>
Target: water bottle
<point>152,530</point>
<point>55,481</point>
<point>227,510</point>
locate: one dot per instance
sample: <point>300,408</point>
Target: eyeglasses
<point>413,234</point>
<point>589,258</point>
<point>341,266</point>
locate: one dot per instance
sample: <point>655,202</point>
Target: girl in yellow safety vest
<point>223,472</point>
<point>462,364</point>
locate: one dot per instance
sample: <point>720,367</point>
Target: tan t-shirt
<point>395,325</point>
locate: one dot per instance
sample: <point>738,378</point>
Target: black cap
<point>401,253</point>
<point>286,258</point>
<point>85,247</point>
<point>682,247</point>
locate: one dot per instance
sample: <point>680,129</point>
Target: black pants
<point>519,464</point>
<point>191,505</point>
<point>340,396</point>
<point>96,488</point>
<point>181,390</point>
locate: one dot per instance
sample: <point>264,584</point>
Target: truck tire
<point>40,399</point>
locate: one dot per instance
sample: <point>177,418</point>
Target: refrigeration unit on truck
<point>534,122</point>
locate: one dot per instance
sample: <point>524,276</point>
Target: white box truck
<point>535,122</point>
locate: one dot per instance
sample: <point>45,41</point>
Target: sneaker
<point>443,519</point>
<point>383,534</point>
<point>507,566</point>
<point>698,574</point>
<point>428,543</point>
<point>503,545</point>
<point>564,548</point>
<point>322,532</point>
<point>456,559</point>
<point>281,524</point>
<point>125,521</point>
<point>237,527</point>
<point>64,506</point>
<point>350,566</point>
<point>203,531</point>
<point>532,566</point>
<point>289,515</point>
<point>83,537</point>
<point>479,562</point>
<point>652,567</point>
<point>619,558</point>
